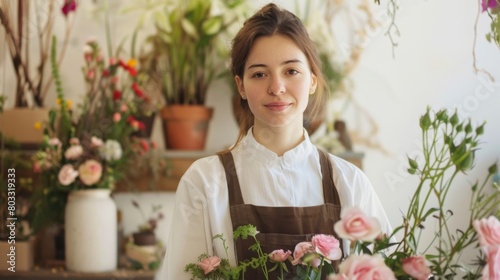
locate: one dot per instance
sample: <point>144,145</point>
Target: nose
<point>276,86</point>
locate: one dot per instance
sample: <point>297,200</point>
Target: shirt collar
<point>291,157</point>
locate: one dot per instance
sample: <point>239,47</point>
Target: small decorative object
<point>341,128</point>
<point>144,251</point>
<point>91,231</point>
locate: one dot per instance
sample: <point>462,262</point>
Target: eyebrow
<point>283,63</point>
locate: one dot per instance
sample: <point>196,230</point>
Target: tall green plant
<point>449,147</point>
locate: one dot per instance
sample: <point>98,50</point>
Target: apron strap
<point>233,184</point>
<point>330,193</point>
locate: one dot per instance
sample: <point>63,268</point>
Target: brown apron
<point>281,227</point>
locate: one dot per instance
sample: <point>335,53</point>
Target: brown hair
<point>268,21</point>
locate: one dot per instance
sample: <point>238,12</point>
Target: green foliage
<point>185,56</point>
<point>449,145</point>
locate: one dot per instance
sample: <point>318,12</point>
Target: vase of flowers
<point>82,157</point>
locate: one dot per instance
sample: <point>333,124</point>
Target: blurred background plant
<point>29,25</point>
<point>188,48</point>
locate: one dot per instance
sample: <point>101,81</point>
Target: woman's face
<point>277,82</point>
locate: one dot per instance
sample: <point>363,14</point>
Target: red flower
<point>131,119</point>
<point>68,7</point>
<point>117,95</point>
<point>137,90</point>
<point>132,71</point>
<point>141,125</point>
<point>144,145</point>
<point>105,73</point>
<point>123,65</point>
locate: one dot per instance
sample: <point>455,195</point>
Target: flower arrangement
<point>449,145</point>
<point>93,149</point>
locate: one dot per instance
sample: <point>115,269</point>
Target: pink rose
<point>364,267</point>
<point>73,152</point>
<point>117,117</point>
<point>279,255</point>
<point>488,4</point>
<point>55,142</point>
<point>488,231</point>
<point>416,267</point>
<point>74,141</point>
<point>355,225</point>
<point>328,246</point>
<point>209,264</point>
<point>96,142</point>
<point>493,260</point>
<point>302,249</point>
<point>90,172</point>
<point>67,175</point>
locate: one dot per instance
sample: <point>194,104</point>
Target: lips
<point>277,106</point>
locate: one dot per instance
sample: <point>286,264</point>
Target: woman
<point>273,176</point>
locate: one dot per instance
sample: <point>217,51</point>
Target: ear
<point>314,83</point>
<point>241,88</point>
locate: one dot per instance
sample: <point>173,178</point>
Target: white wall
<point>432,66</point>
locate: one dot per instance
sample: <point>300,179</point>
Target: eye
<point>258,75</point>
<point>292,72</point>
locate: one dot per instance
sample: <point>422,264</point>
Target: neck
<point>278,139</point>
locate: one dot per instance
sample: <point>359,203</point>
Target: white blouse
<point>294,179</point>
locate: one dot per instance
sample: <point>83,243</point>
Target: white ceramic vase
<point>90,231</point>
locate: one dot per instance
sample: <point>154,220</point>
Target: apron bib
<point>281,227</point>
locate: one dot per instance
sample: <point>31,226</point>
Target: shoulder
<point>203,169</point>
<point>348,177</point>
<point>345,168</point>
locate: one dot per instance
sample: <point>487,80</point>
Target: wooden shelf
<point>49,274</point>
<point>180,162</point>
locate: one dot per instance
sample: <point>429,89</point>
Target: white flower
<point>73,152</point>
<point>112,150</point>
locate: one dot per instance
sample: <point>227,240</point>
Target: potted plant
<point>26,24</point>
<point>184,59</point>
<point>145,251</point>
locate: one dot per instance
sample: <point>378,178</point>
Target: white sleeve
<point>188,230</point>
<point>356,190</point>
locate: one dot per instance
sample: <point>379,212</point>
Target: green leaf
<point>454,119</point>
<point>493,169</point>
<point>425,121</point>
<point>189,28</point>
<point>413,163</point>
<point>212,25</point>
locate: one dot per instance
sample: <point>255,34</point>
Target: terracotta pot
<point>186,126</point>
